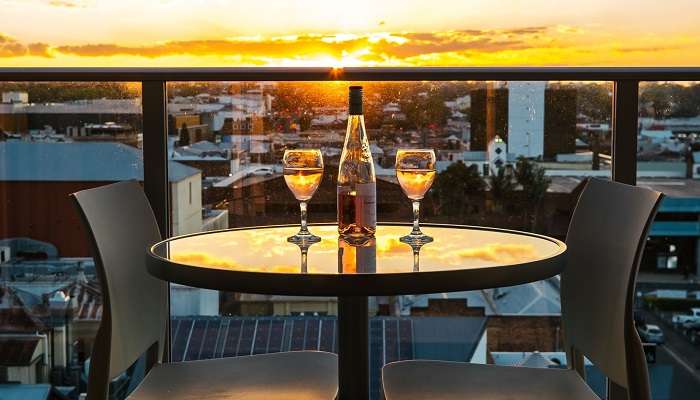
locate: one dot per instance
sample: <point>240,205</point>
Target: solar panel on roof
<point>233,336</point>
<point>221,338</point>
<point>247,336</point>
<point>327,335</point>
<point>311,337</point>
<point>391,340</point>
<point>210,337</point>
<point>287,336</point>
<point>180,341</point>
<point>262,336</point>
<point>174,326</point>
<point>194,346</point>
<point>276,335</point>
<point>376,356</point>
<point>298,334</point>
<point>405,339</point>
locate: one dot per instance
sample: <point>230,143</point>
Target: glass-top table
<point>261,260</point>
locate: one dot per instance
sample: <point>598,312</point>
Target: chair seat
<point>290,375</point>
<point>442,380</point>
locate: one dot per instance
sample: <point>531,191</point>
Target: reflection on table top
<point>267,250</point>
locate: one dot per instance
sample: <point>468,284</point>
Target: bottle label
<point>357,209</point>
<point>367,204</point>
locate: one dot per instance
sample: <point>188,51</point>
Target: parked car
<point>263,171</point>
<point>688,319</point>
<point>651,334</point>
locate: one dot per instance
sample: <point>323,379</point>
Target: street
<point>675,375</point>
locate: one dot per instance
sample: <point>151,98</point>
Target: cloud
<point>10,47</point>
<point>207,260</point>
<point>66,3</point>
<point>372,46</point>
<point>506,253</point>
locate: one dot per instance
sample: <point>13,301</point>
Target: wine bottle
<point>357,187</point>
<point>357,256</point>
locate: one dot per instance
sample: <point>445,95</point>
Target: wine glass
<point>303,170</point>
<point>415,170</point>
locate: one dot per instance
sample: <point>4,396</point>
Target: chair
<point>121,226</point>
<point>605,241</point>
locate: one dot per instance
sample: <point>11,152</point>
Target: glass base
<point>302,239</point>
<point>416,240</point>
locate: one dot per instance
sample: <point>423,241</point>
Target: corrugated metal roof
<point>675,228</point>
<point>680,204</point>
<point>536,298</point>
<point>78,161</point>
<point>447,338</point>
<point>11,391</point>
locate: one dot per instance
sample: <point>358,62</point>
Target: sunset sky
<point>349,33</point>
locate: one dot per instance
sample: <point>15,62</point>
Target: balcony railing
<point>625,114</point>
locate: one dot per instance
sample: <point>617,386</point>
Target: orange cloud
<point>501,252</point>
<point>374,46</point>
<point>209,261</point>
<point>10,47</point>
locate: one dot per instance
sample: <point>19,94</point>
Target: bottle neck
<point>356,130</point>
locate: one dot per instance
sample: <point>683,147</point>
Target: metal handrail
<point>352,74</point>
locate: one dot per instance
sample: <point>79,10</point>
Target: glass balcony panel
<point>57,138</point>
<point>236,132</point>
<point>668,152</point>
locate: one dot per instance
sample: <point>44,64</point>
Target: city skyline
<point>315,33</point>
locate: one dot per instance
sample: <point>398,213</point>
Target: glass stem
<point>416,260</point>
<point>416,213</point>
<point>302,207</point>
<point>303,261</point>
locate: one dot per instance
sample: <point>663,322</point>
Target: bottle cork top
<point>355,100</point>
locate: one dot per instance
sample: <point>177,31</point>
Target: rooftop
<point>77,161</point>
<point>391,338</point>
<point>12,391</point>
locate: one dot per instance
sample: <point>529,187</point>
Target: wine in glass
<point>415,170</point>
<point>303,170</point>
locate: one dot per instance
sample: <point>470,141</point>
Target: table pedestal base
<point>353,348</point>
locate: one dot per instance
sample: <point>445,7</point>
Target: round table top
<point>261,260</point>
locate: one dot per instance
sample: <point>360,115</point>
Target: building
<point>36,180</point>
<point>12,121</point>
<point>196,130</point>
<point>480,133</point>
<point>213,160</point>
<point>61,116</point>
<point>526,119</point>
<point>107,132</point>
<point>249,125</point>
<point>535,121</point>
<point>15,97</point>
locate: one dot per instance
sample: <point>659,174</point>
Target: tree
<point>659,98</point>
<point>454,185</point>
<point>534,184</point>
<point>184,135</point>
<point>595,101</point>
<point>502,188</point>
